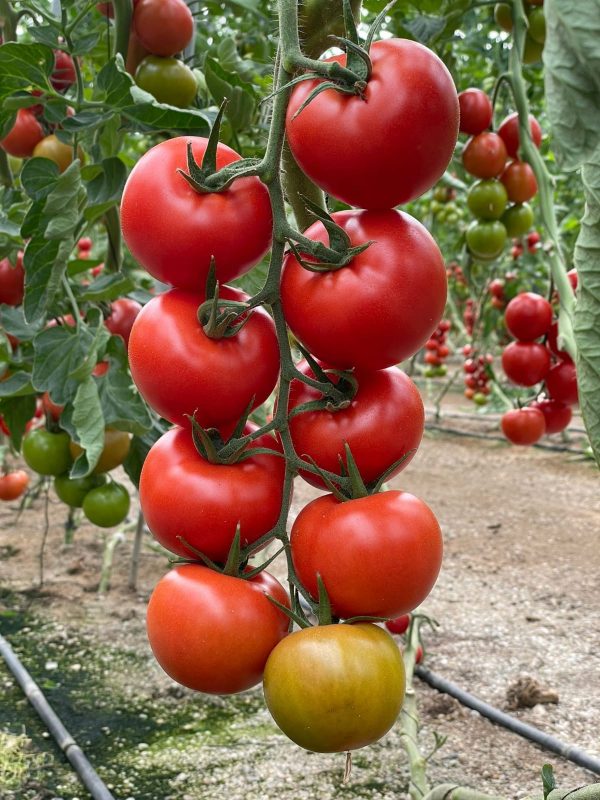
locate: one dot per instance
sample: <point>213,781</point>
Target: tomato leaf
<point>425,28</point>
<point>17,411</point>
<point>106,287</point>
<point>59,351</point>
<point>123,407</point>
<point>13,321</point>
<point>139,449</point>
<point>88,424</point>
<point>228,85</point>
<point>18,385</point>
<point>548,779</point>
<point>104,187</point>
<point>44,264</point>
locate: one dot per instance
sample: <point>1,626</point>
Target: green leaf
<point>44,263</point>
<point>139,449</point>
<point>17,411</point>
<point>106,287</point>
<point>425,28</point>
<point>88,422</point>
<point>548,780</point>
<point>105,186</point>
<point>38,177</point>
<point>24,66</point>
<point>122,405</point>
<point>221,84</point>
<point>17,385</point>
<point>13,321</point>
<point>87,120</point>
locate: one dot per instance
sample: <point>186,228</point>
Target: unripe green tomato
<point>518,219</point>
<point>440,194</point>
<point>441,370</point>
<point>47,453</point>
<point>480,399</point>
<point>537,25</point>
<point>532,51</point>
<point>168,80</point>
<point>72,491</point>
<point>107,505</point>
<point>503,16</point>
<point>430,372</point>
<point>486,240</point>
<point>452,218</point>
<point>436,206</point>
<point>487,199</point>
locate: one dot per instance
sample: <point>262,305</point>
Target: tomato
<point>381,307</point>
<point>523,425</point>
<point>503,16</point>
<point>519,181</point>
<point>168,80</point>
<point>389,147</point>
<point>475,111</point>
<point>532,51</point>
<point>47,453</point>
<point>53,149</point>
<point>136,52</point>
<point>73,491</point>
<point>484,155</point>
<point>377,556</point>
<point>552,343</point>
<point>179,370</point>
<point>509,133</point>
<point>188,228</point>
<point>557,415</point>
<point>335,687</point>
<point>107,506</point>
<point>496,288</point>
<point>122,316</point>
<point>13,484</point>
<point>525,363</point>
<point>213,633</point>
<point>12,281</point>
<point>572,276</point>
<point>487,199</point>
<point>528,316</point>
<point>52,409</point>
<point>486,240</point>
<point>561,383</point>
<point>537,25</point>
<point>383,423</point>
<point>23,136</point>
<point>106,9</point>
<point>84,244</point>
<point>64,74</point>
<point>182,494</point>
<point>398,625</point>
<point>533,241</point>
<point>164,27</point>
<point>518,219</point>
<point>116,448</point>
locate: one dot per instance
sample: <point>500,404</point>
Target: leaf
<point>44,263</point>
<point>13,321</point>
<point>425,28</point>
<point>572,78</point>
<point>105,187</point>
<point>548,780</point>
<point>106,287</point>
<point>45,34</point>
<point>17,411</point>
<point>222,84</point>
<point>122,405</point>
<point>17,385</point>
<point>88,421</point>
<point>139,449</point>
<point>38,177</point>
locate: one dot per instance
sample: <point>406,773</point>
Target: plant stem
<point>123,11</point>
<point>113,230</point>
<point>8,21</point>
<point>419,786</point>
<point>6,177</point>
<point>134,565</point>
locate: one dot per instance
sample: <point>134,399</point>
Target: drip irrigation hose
<point>570,752</point>
<point>75,755</point>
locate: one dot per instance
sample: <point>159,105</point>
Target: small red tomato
<point>85,243</point>
<point>13,484</point>
<point>51,408</point>
<point>557,415</point>
<point>561,383</point>
<point>520,182</point>
<point>552,343</point>
<point>24,135</point>
<point>484,155</point>
<point>572,276</point>
<point>526,363</point>
<point>12,281</point>
<point>122,316</point>
<point>528,316</point>
<point>509,132</point>
<point>475,111</point>
<point>523,426</point>
<point>63,74</point>
<point>398,625</point>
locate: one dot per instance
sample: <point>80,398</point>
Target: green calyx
<point>236,564</point>
<point>220,319</point>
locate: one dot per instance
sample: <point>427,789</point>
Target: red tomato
<point>179,370</point>
<point>213,633</point>
<point>475,111</point>
<point>380,308</point>
<point>383,423</point>
<point>557,415</point>
<point>52,409</point>
<point>391,146</point>
<point>136,53</point>
<point>509,132</point>
<point>164,27</point>
<point>122,316</point>
<point>95,271</point>
<point>552,343</point>
<point>572,276</point>
<point>63,74</point>
<point>496,288</point>
<point>528,316</point>
<point>398,625</point>
<point>182,494</point>
<point>519,181</point>
<point>378,556</point>
<point>106,9</point>
<point>23,136</point>
<point>13,484</point>
<point>525,363</point>
<point>12,281</point>
<point>100,369</point>
<point>523,425</point>
<point>84,244</point>
<point>561,383</point>
<point>188,228</point>
<point>484,155</point>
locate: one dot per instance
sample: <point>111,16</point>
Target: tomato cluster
<point>536,27</point>
<point>437,351</point>
<point>477,374</point>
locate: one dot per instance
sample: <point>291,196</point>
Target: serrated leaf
<point>17,385</point>
<point>17,411</point>
<point>105,188</point>
<point>23,67</point>
<point>44,263</point>
<point>241,99</point>
<point>38,177</point>
<point>425,28</point>
<point>65,203</point>
<point>88,421</point>
<point>13,321</point>
<point>87,120</point>
<point>139,449</point>
<point>122,405</point>
<point>59,352</point>
<point>106,288</point>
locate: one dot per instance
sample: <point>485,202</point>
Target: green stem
<point>418,787</point>
<point>6,177</point>
<point>8,21</point>
<point>298,186</point>
<point>123,11</point>
<point>72,301</point>
<point>113,230</point>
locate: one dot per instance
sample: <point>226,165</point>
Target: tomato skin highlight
<point>526,363</point>
<point>213,633</point>
<point>179,370</point>
<point>12,281</point>
<point>23,136</point>
<point>377,556</point>
<point>182,494</point>
<point>334,688</point>
<point>188,228</point>
<point>380,308</point>
<point>475,111</point>
<point>523,426</point>
<point>410,112</point>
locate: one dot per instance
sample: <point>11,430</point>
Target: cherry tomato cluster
<point>477,374</point>
<point>437,351</point>
<point>536,27</point>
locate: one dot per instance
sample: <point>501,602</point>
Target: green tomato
<point>441,370</point>
<point>503,16</point>
<point>480,399</point>
<point>487,199</point>
<point>537,25</point>
<point>518,219</point>
<point>532,51</point>
<point>47,453</point>
<point>430,372</point>
<point>107,505</point>
<point>73,491</point>
<point>486,240</point>
<point>168,80</point>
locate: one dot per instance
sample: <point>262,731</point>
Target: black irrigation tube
<point>570,752</point>
<point>557,448</point>
<point>75,755</point>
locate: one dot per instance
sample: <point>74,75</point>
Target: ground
<point>518,596</point>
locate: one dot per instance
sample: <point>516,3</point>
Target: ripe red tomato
<point>335,688</point>
<point>561,383</point>
<point>398,625</point>
<point>164,27</point>
<point>377,556</point>
<point>84,244</point>
<point>63,75</point>
<point>484,155</point>
<point>523,425</point>
<point>12,281</point>
<point>23,136</point>
<point>526,363</point>
<point>213,633</point>
<point>519,181</point>
<point>122,316</point>
<point>475,111</point>
<point>572,276</point>
<point>52,409</point>
<point>383,423</point>
<point>389,147</point>
<point>13,484</point>
<point>188,228</point>
<point>509,133</point>
<point>528,316</point>
<point>381,307</point>
<point>496,288</point>
<point>557,415</point>
<point>182,494</point>
<point>179,370</point>
<point>136,53</point>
